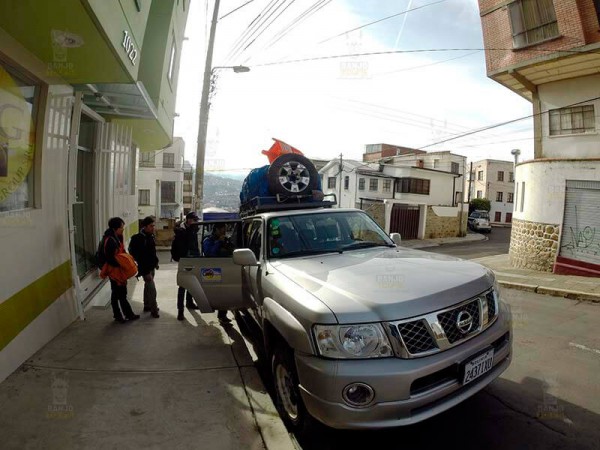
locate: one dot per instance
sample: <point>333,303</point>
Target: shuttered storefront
<point>581,224</point>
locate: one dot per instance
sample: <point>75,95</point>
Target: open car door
<point>215,282</point>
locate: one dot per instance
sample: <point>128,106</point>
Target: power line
<point>380,20</point>
<point>406,69</point>
<point>234,10</point>
<point>506,123</point>
<point>430,50</point>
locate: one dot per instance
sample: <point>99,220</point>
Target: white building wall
<point>564,93</point>
<point>547,205</point>
<point>348,197</point>
<point>490,186</point>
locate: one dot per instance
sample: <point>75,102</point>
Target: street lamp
<point>516,152</point>
<point>202,130</point>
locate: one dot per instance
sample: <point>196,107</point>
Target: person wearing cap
<point>185,245</point>
<point>143,249</point>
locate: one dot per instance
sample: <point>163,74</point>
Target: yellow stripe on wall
<point>18,311</point>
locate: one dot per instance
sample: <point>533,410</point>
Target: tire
<point>292,174</point>
<point>288,399</point>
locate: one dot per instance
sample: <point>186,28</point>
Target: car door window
<point>256,238</point>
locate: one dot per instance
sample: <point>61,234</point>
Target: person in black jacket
<point>143,249</point>
<point>112,244</point>
<point>185,245</point>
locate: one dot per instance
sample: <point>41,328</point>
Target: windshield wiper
<point>357,245</point>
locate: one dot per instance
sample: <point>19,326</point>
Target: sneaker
<point>134,317</point>
<point>180,315</point>
<point>192,306</point>
<point>223,318</point>
<point>155,314</point>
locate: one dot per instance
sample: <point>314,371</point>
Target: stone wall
<point>440,226</point>
<point>377,211</point>
<point>533,245</point>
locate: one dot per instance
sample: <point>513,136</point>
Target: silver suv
<point>360,332</point>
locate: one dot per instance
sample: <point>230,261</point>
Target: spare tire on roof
<point>292,174</point>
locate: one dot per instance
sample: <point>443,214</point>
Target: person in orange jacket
<point>112,247</point>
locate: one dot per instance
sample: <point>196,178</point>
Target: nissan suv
<point>360,332</point>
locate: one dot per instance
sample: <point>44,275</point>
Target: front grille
<point>416,337</point>
<point>433,380</point>
<point>491,304</point>
<point>448,321</point>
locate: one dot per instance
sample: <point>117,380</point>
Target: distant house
<point>160,182</point>
<point>494,180</point>
<point>418,195</point>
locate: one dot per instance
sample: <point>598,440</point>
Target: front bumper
<point>396,401</point>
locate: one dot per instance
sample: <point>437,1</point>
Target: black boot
<point>180,315</point>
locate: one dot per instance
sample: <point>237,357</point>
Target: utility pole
<point>341,170</point>
<point>470,181</point>
<point>203,120</point>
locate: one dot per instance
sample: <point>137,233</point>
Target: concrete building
<point>160,182</point>
<point>418,195</point>
<point>85,85</point>
<point>548,52</point>
<point>494,180</point>
<point>188,187</point>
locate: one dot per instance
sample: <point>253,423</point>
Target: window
<point>19,101</point>
<point>509,197</point>
<point>479,194</point>
<point>346,182</point>
<point>147,159</point>
<point>500,175</point>
<point>144,197</point>
<point>373,148</point>
<point>480,175</point>
<point>454,167</point>
<point>522,195</point>
<point>387,185</point>
<point>169,160</point>
<point>532,21</point>
<point>511,177</point>
<point>499,196</point>
<point>508,217</point>
<point>361,184</point>
<point>497,216</point>
<point>331,182</point>
<point>436,163</point>
<point>172,60</point>
<point>413,186</point>
<point>188,176</point>
<point>167,192</point>
<point>187,200</point>
<point>373,184</point>
<point>574,120</point>
<point>187,188</point>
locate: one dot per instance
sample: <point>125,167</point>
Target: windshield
<point>481,215</point>
<point>319,233</point>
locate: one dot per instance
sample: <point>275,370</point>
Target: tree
<point>479,203</point>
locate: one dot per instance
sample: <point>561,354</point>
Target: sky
<point>331,106</point>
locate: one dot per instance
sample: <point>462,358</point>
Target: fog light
<point>358,394</point>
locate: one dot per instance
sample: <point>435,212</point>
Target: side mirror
<point>396,238</point>
<point>244,257</point>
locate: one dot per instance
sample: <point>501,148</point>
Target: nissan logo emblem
<point>464,322</point>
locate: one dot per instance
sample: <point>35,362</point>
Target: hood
<point>386,284</point>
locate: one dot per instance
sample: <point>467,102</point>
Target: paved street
<point>497,243</point>
<point>548,399</point>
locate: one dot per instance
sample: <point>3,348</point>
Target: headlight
<point>352,341</point>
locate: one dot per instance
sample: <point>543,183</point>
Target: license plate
<point>479,365</point>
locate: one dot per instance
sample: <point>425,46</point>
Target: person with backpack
<point>185,245</point>
<point>110,251</point>
<point>143,249</point>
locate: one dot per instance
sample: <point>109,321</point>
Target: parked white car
<point>479,220</point>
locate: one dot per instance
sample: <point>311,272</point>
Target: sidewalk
<point>569,286</point>
<point>151,383</point>
<point>423,243</point>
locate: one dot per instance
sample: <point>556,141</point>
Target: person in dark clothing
<point>185,245</point>
<point>113,245</point>
<point>143,249</point>
<point>218,245</point>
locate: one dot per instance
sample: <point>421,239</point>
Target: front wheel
<point>288,399</point>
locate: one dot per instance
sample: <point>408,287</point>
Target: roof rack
<point>284,203</point>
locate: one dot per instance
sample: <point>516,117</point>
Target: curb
<point>554,292</point>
